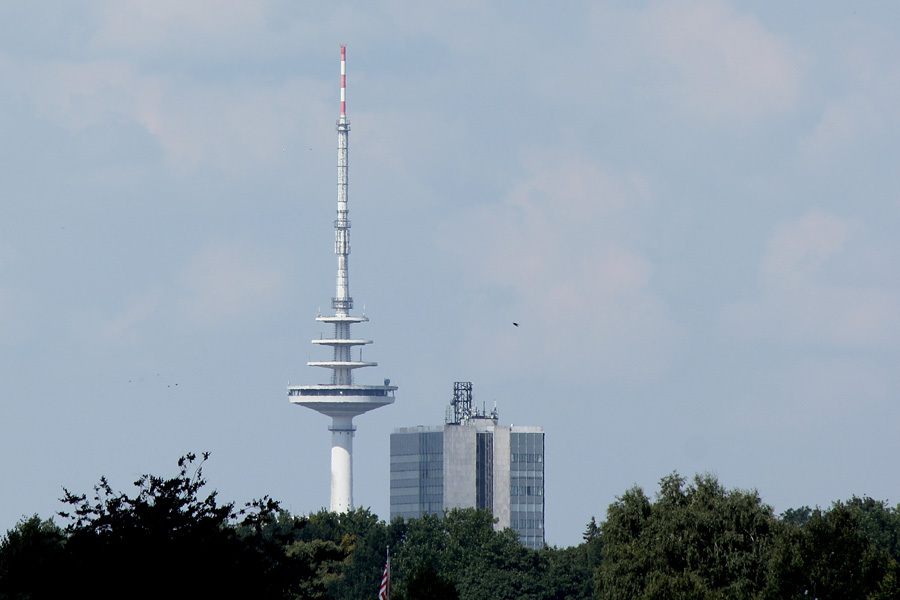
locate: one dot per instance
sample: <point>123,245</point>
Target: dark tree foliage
<point>832,556</point>
<point>567,573</point>
<point>879,522</point>
<point>28,554</point>
<point>797,516</point>
<point>426,584</point>
<point>297,568</point>
<point>168,541</point>
<point>593,545</point>
<point>696,541</point>
<point>462,548</point>
<point>364,539</point>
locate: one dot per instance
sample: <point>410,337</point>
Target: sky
<point>689,207</point>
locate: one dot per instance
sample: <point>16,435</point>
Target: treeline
<point>693,540</point>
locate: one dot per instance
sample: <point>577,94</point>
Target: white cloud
<point>831,390</point>
<point>723,65</point>
<point>583,298</point>
<point>801,247</point>
<point>812,393</point>
<point>799,300</point>
<point>226,281</point>
<point>161,23</point>
<point>123,326</point>
<point>845,123</point>
<point>10,296</point>
<point>74,95</point>
<point>235,124</point>
<point>128,326</point>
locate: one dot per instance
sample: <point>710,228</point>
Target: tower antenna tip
<point>343,80</point>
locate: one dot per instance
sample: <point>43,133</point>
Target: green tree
<point>463,548</point>
<point>426,584</point>
<point>165,540</point>
<point>797,516</point>
<point>593,543</point>
<point>364,538</point>
<point>169,540</point>
<point>695,541</point>
<point>302,569</point>
<point>831,556</point>
<point>567,573</point>
<point>628,556</point>
<point>29,552</point>
<point>879,522</point>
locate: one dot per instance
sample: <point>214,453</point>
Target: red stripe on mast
<point>343,79</point>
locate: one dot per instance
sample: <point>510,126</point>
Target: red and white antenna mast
<point>343,81</point>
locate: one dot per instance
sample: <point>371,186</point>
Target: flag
<point>384,592</point>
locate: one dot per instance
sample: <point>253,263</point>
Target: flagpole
<point>384,592</point>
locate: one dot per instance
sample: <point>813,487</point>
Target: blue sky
<point>689,207</point>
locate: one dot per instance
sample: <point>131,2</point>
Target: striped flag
<point>384,592</point>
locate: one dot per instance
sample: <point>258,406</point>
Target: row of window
<point>527,503</point>
<point>526,490</point>
<point>437,473</point>
<point>417,457</point>
<point>414,511</point>
<point>417,442</point>
<point>526,523</point>
<point>418,499</point>
<point>515,457</point>
<point>415,466</point>
<point>526,457</point>
<point>520,478</point>
<point>417,483</point>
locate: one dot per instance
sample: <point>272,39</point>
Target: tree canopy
<point>692,540</point>
<point>167,540</point>
<point>701,541</point>
<point>695,541</point>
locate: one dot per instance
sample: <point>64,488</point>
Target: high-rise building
<point>342,399</point>
<point>471,461</point>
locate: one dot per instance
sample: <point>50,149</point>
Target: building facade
<point>471,461</point>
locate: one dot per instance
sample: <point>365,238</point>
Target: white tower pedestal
<point>342,464</point>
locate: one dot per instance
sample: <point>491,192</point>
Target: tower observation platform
<point>342,399</point>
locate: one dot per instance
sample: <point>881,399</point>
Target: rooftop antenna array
<point>461,411</point>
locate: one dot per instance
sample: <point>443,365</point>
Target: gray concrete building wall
<point>459,467</point>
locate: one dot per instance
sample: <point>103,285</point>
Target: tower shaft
<point>342,463</point>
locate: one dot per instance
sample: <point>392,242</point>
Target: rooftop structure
<point>342,399</point>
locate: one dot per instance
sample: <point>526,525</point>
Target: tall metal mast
<point>342,302</point>
<point>342,399</point>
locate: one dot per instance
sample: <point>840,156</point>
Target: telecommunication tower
<point>342,399</point>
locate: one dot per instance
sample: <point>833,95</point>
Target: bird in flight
<point>516,324</point>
